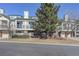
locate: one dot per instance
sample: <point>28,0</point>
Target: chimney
<point>66,17</point>
<point>26,14</point>
<point>1,11</point>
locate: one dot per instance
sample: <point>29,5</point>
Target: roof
<point>21,18</point>
<point>18,18</point>
<point>69,21</point>
<point>5,16</point>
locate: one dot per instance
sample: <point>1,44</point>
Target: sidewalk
<point>75,38</point>
<point>40,41</point>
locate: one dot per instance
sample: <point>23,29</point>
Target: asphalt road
<point>25,49</point>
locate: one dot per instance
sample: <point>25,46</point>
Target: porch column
<point>75,30</point>
<point>62,26</point>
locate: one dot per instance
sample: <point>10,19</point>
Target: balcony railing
<point>24,28</point>
<point>4,27</point>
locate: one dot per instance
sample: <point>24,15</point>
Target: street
<point>27,49</point>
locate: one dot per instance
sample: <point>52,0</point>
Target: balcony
<point>24,27</point>
<point>4,27</point>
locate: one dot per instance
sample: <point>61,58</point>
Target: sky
<point>72,9</point>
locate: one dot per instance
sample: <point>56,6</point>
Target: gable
<point>3,17</point>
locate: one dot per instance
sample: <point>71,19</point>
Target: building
<point>4,25</point>
<point>69,28</point>
<point>15,25</point>
<point>23,25</point>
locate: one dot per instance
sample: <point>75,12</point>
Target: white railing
<point>4,27</point>
<point>24,28</point>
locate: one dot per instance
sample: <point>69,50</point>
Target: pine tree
<point>47,18</point>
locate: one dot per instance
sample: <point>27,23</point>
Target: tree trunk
<point>49,34</point>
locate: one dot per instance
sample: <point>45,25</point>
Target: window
<point>65,26</point>
<point>77,27</point>
<point>4,22</point>
<point>19,24</point>
<point>72,26</point>
<point>27,26</point>
<point>31,25</point>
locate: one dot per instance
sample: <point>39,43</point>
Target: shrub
<point>20,36</point>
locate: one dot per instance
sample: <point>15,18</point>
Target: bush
<point>20,36</point>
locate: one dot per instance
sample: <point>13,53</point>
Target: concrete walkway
<point>45,43</point>
<point>74,38</point>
